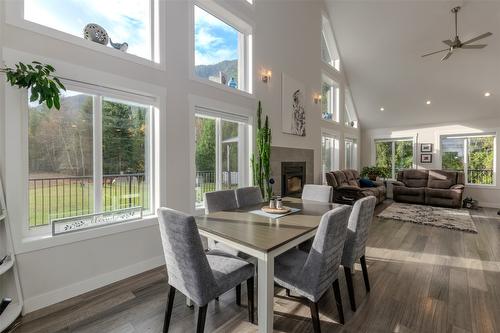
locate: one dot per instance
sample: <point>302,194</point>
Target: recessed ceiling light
<point>382,109</point>
<point>487,94</point>
<point>428,102</point>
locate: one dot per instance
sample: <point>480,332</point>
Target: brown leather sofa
<point>429,187</point>
<point>346,188</point>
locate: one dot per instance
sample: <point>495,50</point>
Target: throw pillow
<point>364,182</point>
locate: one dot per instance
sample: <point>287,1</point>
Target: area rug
<point>457,219</point>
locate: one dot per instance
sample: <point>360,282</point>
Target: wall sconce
<point>317,98</point>
<point>265,76</point>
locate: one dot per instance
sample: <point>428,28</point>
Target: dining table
<point>264,237</point>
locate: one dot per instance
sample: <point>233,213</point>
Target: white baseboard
<point>81,287</point>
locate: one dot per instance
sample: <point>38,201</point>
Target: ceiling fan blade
<point>447,55</point>
<point>448,42</point>
<point>428,54</point>
<point>478,38</point>
<point>478,46</point>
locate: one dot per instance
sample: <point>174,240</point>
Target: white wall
<point>488,196</point>
<point>286,39</point>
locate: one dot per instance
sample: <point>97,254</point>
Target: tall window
<point>219,155</point>
<point>349,114</point>
<point>394,155</point>
<point>91,156</point>
<point>329,99</point>
<point>474,155</point>
<point>329,154</point>
<point>351,151</point>
<point>125,21</point>
<point>221,51</point>
<point>329,52</point>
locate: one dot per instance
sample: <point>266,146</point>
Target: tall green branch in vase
<point>45,86</point>
<point>261,165</point>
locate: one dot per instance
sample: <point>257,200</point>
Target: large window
<point>351,153</point>
<point>219,154</point>
<point>474,155</point>
<point>329,52</point>
<point>125,21</point>
<point>221,50</point>
<point>91,156</point>
<point>394,155</point>
<point>329,154</point>
<point>329,99</point>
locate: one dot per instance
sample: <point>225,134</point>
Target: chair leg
<point>365,273</point>
<point>250,295</point>
<point>238,294</point>
<point>202,316</point>
<point>315,316</point>
<point>350,287</point>
<point>168,311</point>
<point>288,292</point>
<point>338,300</point>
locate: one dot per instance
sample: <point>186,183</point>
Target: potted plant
<point>45,86</point>
<point>372,172</point>
<point>261,166</point>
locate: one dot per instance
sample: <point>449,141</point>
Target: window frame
<point>335,158</point>
<point>14,15</point>
<point>331,44</point>
<point>327,79</point>
<point>349,109</point>
<point>245,44</point>
<point>393,160</point>
<point>465,137</point>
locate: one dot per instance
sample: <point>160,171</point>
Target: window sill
<point>331,121</point>
<point>59,35</point>
<point>222,87</point>
<point>482,186</point>
<point>35,243</point>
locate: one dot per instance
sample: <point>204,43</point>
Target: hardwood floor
<point>423,279</point>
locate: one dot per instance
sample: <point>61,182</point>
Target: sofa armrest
<point>397,183</point>
<point>378,183</point>
<point>457,187</point>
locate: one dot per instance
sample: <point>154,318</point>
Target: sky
<point>124,20</point>
<point>215,41</point>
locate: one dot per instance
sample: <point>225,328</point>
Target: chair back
<point>248,196</point>
<point>322,264</point>
<point>321,193</point>
<point>357,230</point>
<point>187,265</point>
<point>220,200</point>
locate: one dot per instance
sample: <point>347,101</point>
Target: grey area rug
<point>457,219</point>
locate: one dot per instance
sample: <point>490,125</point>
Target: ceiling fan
<point>457,43</point>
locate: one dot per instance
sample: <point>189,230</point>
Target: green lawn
<point>66,200</point>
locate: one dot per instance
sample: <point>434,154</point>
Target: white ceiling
<point>381,43</point>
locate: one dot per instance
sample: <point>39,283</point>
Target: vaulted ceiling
<point>381,43</point>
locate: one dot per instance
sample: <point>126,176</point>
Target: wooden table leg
<point>266,294</point>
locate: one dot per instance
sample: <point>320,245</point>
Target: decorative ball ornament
<point>96,33</point>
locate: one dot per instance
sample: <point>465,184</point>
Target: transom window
<point>329,154</point>
<point>91,156</point>
<point>125,21</point>
<point>221,49</point>
<point>474,155</point>
<point>351,153</point>
<point>330,95</point>
<point>329,52</point>
<point>220,153</point>
<point>394,154</point>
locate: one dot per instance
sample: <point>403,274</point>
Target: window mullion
<point>466,160</point>
<point>97,136</point>
<point>393,159</point>
<point>218,154</point>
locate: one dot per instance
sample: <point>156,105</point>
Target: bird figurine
<point>119,46</point>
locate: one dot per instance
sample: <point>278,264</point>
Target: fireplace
<point>293,178</point>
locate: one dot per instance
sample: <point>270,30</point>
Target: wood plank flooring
<point>424,279</point>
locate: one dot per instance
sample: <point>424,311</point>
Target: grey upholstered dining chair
<point>355,244</point>
<point>311,274</point>
<point>200,276</point>
<point>321,193</point>
<point>248,196</point>
<point>220,200</point>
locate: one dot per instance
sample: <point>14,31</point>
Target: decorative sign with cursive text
<point>84,222</point>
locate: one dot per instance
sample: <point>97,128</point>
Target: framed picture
<point>293,116</point>
<point>426,147</point>
<point>425,158</point>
